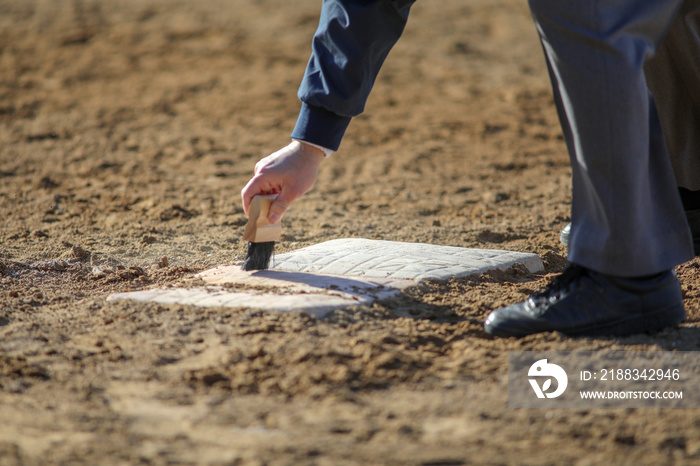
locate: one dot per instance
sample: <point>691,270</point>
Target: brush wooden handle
<point>259,229</point>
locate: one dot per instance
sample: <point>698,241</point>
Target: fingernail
<point>273,218</point>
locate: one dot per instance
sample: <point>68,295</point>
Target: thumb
<point>279,206</point>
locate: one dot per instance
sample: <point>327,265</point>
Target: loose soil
<point>127,130</point>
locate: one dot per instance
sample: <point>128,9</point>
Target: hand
<point>290,173</point>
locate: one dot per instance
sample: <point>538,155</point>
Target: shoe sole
<point>648,323</point>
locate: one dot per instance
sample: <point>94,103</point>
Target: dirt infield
<point>127,130</point>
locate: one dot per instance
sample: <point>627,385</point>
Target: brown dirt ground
<point>126,132</point>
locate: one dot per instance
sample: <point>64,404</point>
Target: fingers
<point>247,194</point>
<point>289,172</point>
<point>280,205</point>
<point>260,183</point>
<point>257,185</point>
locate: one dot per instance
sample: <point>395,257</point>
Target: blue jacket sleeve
<point>349,47</point>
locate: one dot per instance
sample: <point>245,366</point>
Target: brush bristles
<point>258,256</point>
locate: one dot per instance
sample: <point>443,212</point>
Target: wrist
<point>311,146</point>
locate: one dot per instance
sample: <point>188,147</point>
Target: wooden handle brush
<point>260,234</point>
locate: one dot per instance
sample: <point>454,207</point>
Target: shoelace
<point>558,287</point>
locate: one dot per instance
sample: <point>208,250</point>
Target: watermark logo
<point>603,379</point>
<point>542,369</point>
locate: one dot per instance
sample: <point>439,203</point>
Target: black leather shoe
<point>583,302</point>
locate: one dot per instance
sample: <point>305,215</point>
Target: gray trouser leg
<point>626,213</point>
<point>673,76</point>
